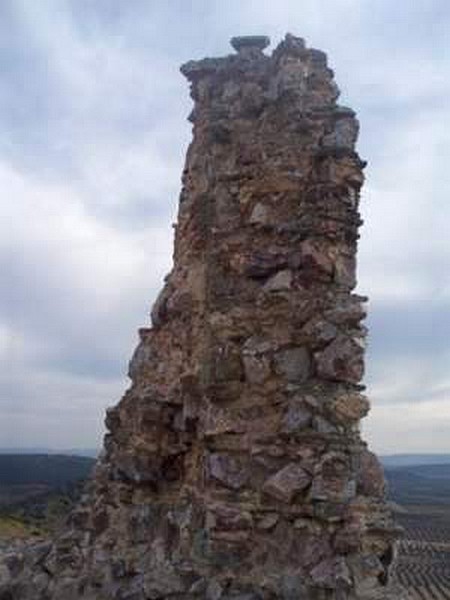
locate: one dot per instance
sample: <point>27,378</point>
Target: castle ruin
<point>233,467</point>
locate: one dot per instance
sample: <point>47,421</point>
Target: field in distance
<point>422,493</point>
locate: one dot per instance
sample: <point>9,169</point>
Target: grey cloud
<point>417,329</point>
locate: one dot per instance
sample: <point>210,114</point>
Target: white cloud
<point>413,379</point>
<point>410,397</point>
<point>406,427</point>
<point>405,245</point>
<point>48,228</point>
<point>90,168</point>
<point>51,409</point>
<point>78,290</point>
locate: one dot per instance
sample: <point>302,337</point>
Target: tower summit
<point>253,42</point>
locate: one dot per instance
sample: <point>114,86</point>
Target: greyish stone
<point>214,590</point>
<point>345,271</point>
<point>293,364</point>
<point>297,417</point>
<point>324,426</point>
<point>5,575</point>
<point>344,135</point>
<point>256,359</point>
<point>227,471</point>
<point>260,215</point>
<point>320,332</point>
<point>257,368</point>
<point>280,281</point>
<point>268,521</point>
<point>250,41</point>
<point>332,573</point>
<point>143,355</point>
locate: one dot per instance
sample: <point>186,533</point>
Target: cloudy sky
<point>93,132</point>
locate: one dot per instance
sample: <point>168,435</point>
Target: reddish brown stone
<point>288,482</point>
<point>371,481</point>
<point>350,407</point>
<point>342,360</point>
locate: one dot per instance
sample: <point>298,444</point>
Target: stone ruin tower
<point>233,467</point>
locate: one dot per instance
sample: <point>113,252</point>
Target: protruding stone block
<point>288,482</point>
<point>244,42</point>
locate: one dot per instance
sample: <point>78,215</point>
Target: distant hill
<point>419,484</point>
<point>412,478</point>
<point>91,452</point>
<point>405,460</point>
<point>53,470</point>
<point>37,491</point>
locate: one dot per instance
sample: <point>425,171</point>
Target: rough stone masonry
<point>233,467</point>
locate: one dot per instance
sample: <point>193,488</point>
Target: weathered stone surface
<point>334,480</point>
<point>332,573</point>
<point>371,481</point>
<point>288,482</point>
<point>260,215</point>
<point>233,467</point>
<point>349,407</point>
<point>344,134</point>
<point>257,361</point>
<point>293,364</point>
<point>342,360</point>
<point>250,41</point>
<point>281,281</point>
<point>320,332</point>
<point>298,416</point>
<point>227,470</point>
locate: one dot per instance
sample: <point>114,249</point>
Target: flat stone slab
<point>250,41</point>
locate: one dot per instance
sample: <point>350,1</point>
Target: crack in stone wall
<point>233,467</point>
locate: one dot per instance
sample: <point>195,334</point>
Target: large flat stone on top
<point>258,42</point>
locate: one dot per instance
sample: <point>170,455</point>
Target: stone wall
<point>233,467</point>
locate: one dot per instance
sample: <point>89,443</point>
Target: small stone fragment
<point>349,312</point>
<point>227,471</point>
<point>320,332</point>
<point>294,364</point>
<point>315,260</point>
<point>279,282</point>
<point>214,590</point>
<point>257,368</point>
<point>344,134</point>
<point>260,215</point>
<point>342,360</point>
<point>345,271</point>
<point>297,417</point>
<point>371,481</point>
<point>242,42</point>
<point>324,426</point>
<point>334,481</point>
<point>349,408</point>
<point>268,521</point>
<point>332,573</point>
